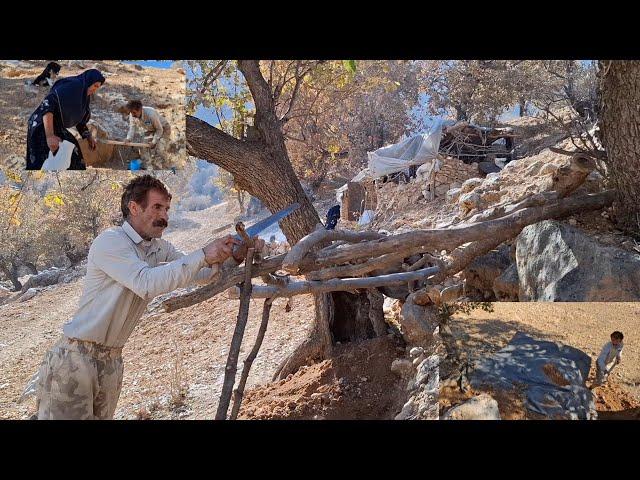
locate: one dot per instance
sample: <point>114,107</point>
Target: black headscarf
<point>71,93</point>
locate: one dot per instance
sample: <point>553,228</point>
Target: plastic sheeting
<point>526,362</point>
<point>366,217</point>
<point>414,150</point>
<point>61,160</point>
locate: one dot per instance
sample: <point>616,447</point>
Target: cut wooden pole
<point>238,333</point>
<point>239,392</point>
<point>126,144</point>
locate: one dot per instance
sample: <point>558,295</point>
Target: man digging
<point>127,266</point>
<point>156,129</point>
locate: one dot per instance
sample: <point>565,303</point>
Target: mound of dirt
<point>355,384</point>
<point>614,403</point>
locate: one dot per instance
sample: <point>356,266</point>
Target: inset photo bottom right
<point>520,361</point>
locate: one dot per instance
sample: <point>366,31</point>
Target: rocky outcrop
<point>559,263</point>
<point>545,172</point>
<point>42,279</point>
<point>423,391</point>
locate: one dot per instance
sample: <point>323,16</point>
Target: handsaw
<point>258,227</point>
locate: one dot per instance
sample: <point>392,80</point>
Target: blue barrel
<point>135,164</point>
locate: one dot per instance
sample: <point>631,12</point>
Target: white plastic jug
<point>61,160</point>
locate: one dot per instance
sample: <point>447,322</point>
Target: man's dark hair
<point>137,189</point>
<point>618,335</point>
<point>134,105</point>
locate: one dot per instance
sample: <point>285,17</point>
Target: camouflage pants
<point>79,380</point>
<point>158,158</point>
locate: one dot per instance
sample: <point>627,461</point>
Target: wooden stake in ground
<point>239,392</point>
<point>238,333</point>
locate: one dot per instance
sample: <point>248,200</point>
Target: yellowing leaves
<point>53,200</point>
<point>14,198</point>
<point>13,176</point>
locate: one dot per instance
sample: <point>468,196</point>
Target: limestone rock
<point>482,407</point>
<point>506,286</point>
<point>418,322</point>
<point>559,263</point>
<point>401,367</point>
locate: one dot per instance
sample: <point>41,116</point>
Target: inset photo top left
<point>92,114</point>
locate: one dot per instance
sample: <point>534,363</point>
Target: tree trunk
<point>523,106</point>
<point>256,171</point>
<point>240,199</point>
<point>262,168</point>
<point>620,136</point>
<point>12,274</point>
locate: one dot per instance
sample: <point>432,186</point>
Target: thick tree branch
<point>452,237</point>
<point>404,245</point>
<point>337,285</point>
<point>215,146</point>
<point>321,237</point>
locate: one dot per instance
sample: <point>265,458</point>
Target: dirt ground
<point>168,355</point>
<point>163,89</point>
<point>586,326</point>
<point>356,384</point>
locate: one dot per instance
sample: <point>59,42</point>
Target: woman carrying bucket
<point>65,106</point>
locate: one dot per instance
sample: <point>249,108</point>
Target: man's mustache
<point>160,223</point>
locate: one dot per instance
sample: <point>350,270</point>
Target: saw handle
<point>246,241</point>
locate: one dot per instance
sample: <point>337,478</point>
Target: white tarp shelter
<point>414,150</point>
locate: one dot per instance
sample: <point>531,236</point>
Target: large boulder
<point>419,323</point>
<point>559,263</point>
<point>482,407</point>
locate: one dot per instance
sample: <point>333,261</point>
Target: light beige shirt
<point>124,273</point>
<point>609,355</point>
<point>149,122</point>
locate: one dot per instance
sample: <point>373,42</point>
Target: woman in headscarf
<point>65,106</point>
